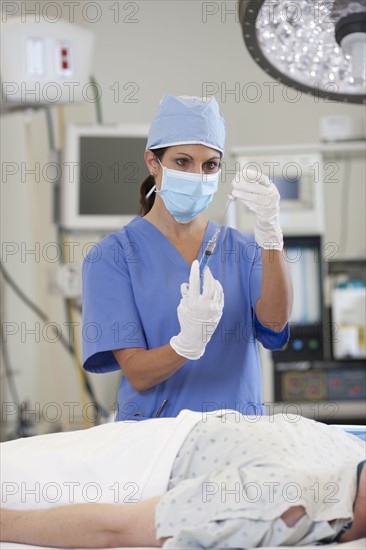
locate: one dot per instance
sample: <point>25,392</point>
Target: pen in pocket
<point>161,408</point>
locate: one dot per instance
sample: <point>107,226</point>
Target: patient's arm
<point>358,529</point>
<point>83,525</point>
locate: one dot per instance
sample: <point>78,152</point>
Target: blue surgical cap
<point>185,119</point>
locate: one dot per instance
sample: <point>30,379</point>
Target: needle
<point>211,245</point>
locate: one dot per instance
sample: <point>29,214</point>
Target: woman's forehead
<point>195,150</point>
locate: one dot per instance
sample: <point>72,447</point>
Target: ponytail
<point>148,183</point>
<point>146,204</point>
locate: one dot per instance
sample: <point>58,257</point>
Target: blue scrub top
<point>131,290</point>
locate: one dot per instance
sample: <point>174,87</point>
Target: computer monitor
<point>103,167</point>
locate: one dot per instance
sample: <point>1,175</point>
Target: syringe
<point>209,250</point>
<point>211,245</point>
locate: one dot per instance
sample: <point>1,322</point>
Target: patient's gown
<point>234,476</point>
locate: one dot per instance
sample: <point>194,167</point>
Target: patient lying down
<point>231,481</point>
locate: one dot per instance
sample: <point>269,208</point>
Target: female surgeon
<point>185,339</point>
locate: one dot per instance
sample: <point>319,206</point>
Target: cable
<point>98,105</point>
<point>70,318</point>
<point>22,428</point>
<point>21,294</point>
<point>45,319</point>
<point>9,372</point>
<point>49,121</point>
<point>61,126</point>
<point>33,307</point>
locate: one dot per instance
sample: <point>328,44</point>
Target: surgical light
<point>316,47</point>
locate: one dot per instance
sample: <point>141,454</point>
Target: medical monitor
<point>103,167</point>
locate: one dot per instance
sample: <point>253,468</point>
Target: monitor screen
<point>111,171</point>
<point>108,167</point>
<point>289,188</point>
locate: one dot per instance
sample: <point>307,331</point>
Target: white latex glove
<point>198,314</point>
<point>261,196</point>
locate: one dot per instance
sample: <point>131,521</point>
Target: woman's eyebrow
<point>187,155</point>
<point>181,153</point>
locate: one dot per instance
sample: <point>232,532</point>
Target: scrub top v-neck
<point>131,291</point>
<point>166,246</point>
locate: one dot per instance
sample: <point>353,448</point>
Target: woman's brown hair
<point>147,204</point>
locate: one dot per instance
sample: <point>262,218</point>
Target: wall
<point>149,48</point>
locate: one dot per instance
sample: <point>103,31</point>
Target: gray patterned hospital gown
<point>234,476</point>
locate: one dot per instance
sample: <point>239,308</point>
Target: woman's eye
<point>181,162</point>
<point>212,166</point>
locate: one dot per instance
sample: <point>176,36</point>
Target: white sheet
<point>354,545</point>
<point>105,464</point>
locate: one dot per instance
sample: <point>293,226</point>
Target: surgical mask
<point>186,194</point>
